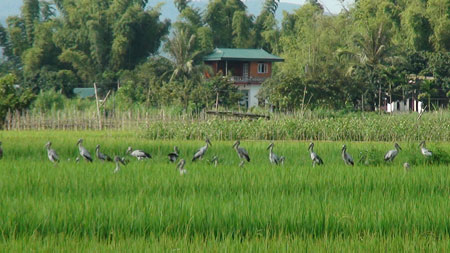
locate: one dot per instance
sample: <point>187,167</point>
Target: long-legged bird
<point>273,158</point>
<point>139,154</point>
<point>201,151</point>
<point>83,151</point>
<point>51,153</point>
<point>425,152</point>
<point>214,160</point>
<point>180,167</point>
<point>391,154</point>
<point>101,156</point>
<point>314,157</point>
<point>348,159</point>
<point>242,153</point>
<point>174,155</point>
<point>118,160</point>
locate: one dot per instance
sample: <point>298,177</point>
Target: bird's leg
<point>241,164</point>
<point>215,163</point>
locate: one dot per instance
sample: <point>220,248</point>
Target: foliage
<point>12,97</point>
<point>88,41</point>
<point>358,59</point>
<point>48,100</point>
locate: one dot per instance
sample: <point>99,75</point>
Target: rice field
<point>148,206</point>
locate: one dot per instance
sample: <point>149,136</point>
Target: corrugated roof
<point>84,92</point>
<point>241,54</point>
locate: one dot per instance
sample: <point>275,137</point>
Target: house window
<point>263,68</point>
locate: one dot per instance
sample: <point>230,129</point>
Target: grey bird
<point>214,160</point>
<point>174,155</point>
<point>1,150</point>
<point>348,159</point>
<point>118,161</point>
<point>314,157</point>
<point>201,151</point>
<point>281,161</point>
<point>83,151</point>
<point>101,156</point>
<point>180,167</point>
<point>391,154</point>
<point>406,166</point>
<point>139,154</point>
<point>242,153</point>
<point>425,152</point>
<point>273,158</point>
<point>51,153</point>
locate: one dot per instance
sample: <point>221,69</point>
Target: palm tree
<point>370,52</point>
<point>182,49</point>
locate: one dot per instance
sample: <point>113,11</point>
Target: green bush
<point>49,100</point>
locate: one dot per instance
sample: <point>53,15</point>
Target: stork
<point>391,154</point>
<point>51,153</point>
<point>1,150</point>
<point>118,160</point>
<point>214,160</point>
<point>348,159</point>
<point>273,158</point>
<point>282,158</point>
<point>101,156</point>
<point>201,151</point>
<point>83,151</point>
<point>139,154</point>
<point>174,155</point>
<point>425,152</point>
<point>242,153</point>
<point>180,167</point>
<point>406,166</point>
<point>314,157</point>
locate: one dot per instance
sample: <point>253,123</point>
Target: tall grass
<point>170,125</point>
<point>258,207</point>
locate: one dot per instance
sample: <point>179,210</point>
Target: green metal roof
<point>241,54</point>
<point>84,92</point>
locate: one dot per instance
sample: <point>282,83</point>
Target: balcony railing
<point>244,79</point>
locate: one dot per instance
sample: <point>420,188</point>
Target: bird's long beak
<point>209,142</point>
<point>270,145</point>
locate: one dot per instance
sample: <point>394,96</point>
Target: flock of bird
<point>200,153</point>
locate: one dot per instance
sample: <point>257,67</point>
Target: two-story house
<point>247,68</point>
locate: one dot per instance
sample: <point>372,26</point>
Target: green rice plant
<point>259,207</point>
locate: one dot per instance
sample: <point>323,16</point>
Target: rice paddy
<point>148,206</point>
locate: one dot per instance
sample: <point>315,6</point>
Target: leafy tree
<point>12,98</point>
<point>221,91</point>
<point>229,23</point>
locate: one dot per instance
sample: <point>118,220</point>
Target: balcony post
<point>226,68</point>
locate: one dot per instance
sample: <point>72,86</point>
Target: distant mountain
<point>168,10</point>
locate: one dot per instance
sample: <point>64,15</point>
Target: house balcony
<point>247,79</point>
